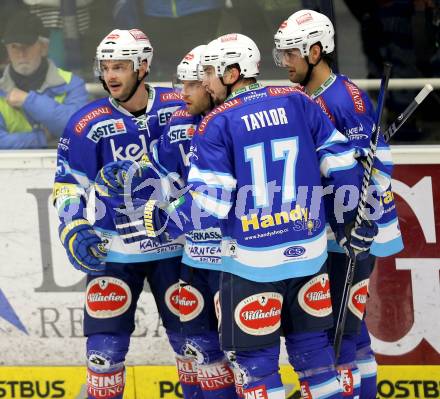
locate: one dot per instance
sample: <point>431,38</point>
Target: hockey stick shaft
<point>343,310</point>
<point>402,118</point>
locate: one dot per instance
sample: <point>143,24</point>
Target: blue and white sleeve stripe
<point>330,163</point>
<point>212,178</point>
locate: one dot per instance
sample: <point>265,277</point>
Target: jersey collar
<point>253,86</point>
<point>321,89</point>
<point>151,98</point>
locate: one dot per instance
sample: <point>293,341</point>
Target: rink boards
<point>41,295</point>
<point>157,382</point>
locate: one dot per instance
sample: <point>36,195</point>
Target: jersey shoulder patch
<point>356,97</point>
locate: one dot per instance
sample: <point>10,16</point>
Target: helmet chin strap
<point>230,85</point>
<point>310,67</point>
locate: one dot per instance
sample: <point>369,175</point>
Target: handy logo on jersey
<point>355,94</point>
<point>108,385</point>
<point>259,314</point>
<point>172,298</point>
<point>358,298</point>
<point>109,127</point>
<point>218,110</point>
<point>294,252</point>
<point>131,151</point>
<point>254,222</point>
<point>164,114</point>
<point>314,296</point>
<point>258,392</point>
<point>181,133</point>
<point>107,297</point>
<point>86,119</point>
<point>191,302</point>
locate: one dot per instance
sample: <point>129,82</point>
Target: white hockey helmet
<point>119,44</point>
<point>190,67</point>
<point>233,48</point>
<point>303,29</point>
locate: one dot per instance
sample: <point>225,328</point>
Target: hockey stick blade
<point>402,118</point>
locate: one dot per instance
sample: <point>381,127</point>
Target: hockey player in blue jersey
<point>203,370</point>
<point>201,262</point>
<point>121,127</point>
<point>304,44</point>
<point>259,158</point>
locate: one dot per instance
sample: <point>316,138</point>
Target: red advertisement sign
<point>403,311</point>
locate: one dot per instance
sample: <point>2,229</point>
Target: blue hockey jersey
<point>351,111</point>
<point>260,161</point>
<point>172,154</point>
<point>104,132</point>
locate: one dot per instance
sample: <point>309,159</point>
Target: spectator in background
<point>64,19</point>
<point>165,20</point>
<point>36,98</point>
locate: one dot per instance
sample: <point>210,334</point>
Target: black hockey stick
<point>342,316</point>
<point>401,119</point>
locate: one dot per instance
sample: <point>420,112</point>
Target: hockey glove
<point>85,250</point>
<point>142,219</point>
<point>357,241</point>
<point>114,178</point>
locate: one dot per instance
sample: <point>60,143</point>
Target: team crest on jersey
<point>170,96</point>
<point>191,302</point>
<point>358,298</point>
<point>320,101</point>
<point>107,128</point>
<point>87,118</point>
<point>259,314</point>
<point>216,111</point>
<point>355,94</point>
<point>314,296</point>
<point>172,298</point>
<point>107,297</point>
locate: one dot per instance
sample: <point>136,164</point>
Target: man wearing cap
<point>36,98</point>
